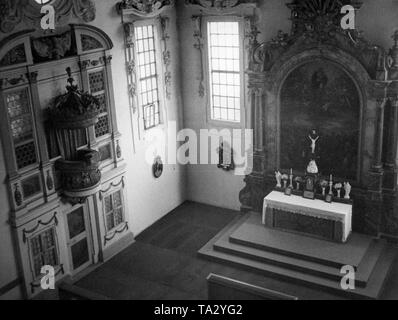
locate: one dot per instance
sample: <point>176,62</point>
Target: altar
<point>316,218</point>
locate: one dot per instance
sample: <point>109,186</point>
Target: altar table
<point>331,221</point>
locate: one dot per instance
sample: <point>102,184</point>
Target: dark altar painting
<point>321,96</point>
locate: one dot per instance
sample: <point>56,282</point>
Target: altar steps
<point>372,270</point>
<point>362,277</point>
<point>253,234</point>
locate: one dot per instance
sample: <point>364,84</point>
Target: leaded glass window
<point>148,75</point>
<point>224,51</point>
<point>21,127</point>
<point>44,251</point>
<point>113,205</point>
<point>98,89</point>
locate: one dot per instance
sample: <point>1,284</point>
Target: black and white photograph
<point>198,154</point>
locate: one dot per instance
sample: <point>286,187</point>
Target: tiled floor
<point>163,265</point>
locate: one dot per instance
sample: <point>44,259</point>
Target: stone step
<point>363,273</point>
<point>379,262</point>
<point>371,291</point>
<point>252,233</point>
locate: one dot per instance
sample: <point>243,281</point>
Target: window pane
<point>43,250</point>
<point>108,204</point>
<point>225,70</point>
<point>76,223</point>
<point>148,76</point>
<point>80,254</point>
<point>110,222</point>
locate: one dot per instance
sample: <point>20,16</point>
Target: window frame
<point>105,92</point>
<point>160,74</point>
<point>207,71</point>
<point>34,138</point>
<point>106,214</point>
<point>32,257</point>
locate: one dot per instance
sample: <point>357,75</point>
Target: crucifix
<point>314,139</point>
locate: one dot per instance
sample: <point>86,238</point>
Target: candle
<point>331,177</point>
<point>291,171</point>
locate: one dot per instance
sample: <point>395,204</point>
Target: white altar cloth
<point>315,208</point>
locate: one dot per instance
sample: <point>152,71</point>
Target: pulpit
<point>316,218</point>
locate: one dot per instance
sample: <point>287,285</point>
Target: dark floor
<point>163,263</point>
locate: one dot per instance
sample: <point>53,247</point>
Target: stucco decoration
<point>220,4</point>
<point>14,12</point>
<point>319,23</point>
<point>143,8</point>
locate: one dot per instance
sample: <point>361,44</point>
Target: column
<point>378,164</point>
<point>259,120</point>
<point>390,174</point>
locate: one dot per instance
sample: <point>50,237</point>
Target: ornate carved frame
<point>374,74</point>
<point>14,12</point>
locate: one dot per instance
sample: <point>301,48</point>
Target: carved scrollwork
<point>49,181</point>
<point>12,81</point>
<point>124,228</point>
<point>143,8</point>
<point>393,58</point>
<point>118,150</point>
<point>316,23</point>
<point>131,63</point>
<point>112,185</point>
<point>14,56</point>
<point>14,12</point>
<point>220,4</point>
<point>199,45</point>
<point>17,195</point>
<point>164,24</point>
<point>53,47</point>
<point>40,223</point>
<point>90,43</point>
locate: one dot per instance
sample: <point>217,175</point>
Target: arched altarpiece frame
<point>374,73</point>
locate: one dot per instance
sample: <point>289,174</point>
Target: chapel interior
<point>199,149</point>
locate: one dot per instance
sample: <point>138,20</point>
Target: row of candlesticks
<point>324,184</point>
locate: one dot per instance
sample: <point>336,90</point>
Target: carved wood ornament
<point>219,4</point>
<point>316,35</point>
<point>14,12</point>
<point>143,8</point>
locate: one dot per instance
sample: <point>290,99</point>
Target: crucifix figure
<point>314,138</point>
